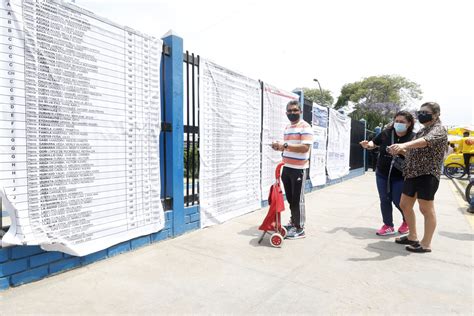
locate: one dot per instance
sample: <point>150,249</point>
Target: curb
<point>461,189</point>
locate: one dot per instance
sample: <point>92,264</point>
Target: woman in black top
<point>389,169</point>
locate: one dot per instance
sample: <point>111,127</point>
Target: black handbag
<point>398,162</point>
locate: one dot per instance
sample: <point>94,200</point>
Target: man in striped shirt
<point>298,139</point>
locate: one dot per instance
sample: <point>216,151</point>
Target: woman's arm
<point>401,149</point>
<point>367,144</point>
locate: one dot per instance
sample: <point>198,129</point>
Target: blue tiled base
<point>24,264</point>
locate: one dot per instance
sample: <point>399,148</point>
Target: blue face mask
<point>400,127</point>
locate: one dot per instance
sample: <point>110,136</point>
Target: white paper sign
<point>318,153</point>
<point>274,123</point>
<point>229,144</point>
<point>339,144</point>
<point>79,127</point>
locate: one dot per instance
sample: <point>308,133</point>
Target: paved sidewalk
<point>341,267</point>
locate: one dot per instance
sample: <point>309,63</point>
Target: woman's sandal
<point>405,241</point>
<point>417,248</point>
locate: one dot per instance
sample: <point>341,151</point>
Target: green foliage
<point>376,99</point>
<point>193,153</point>
<point>373,118</point>
<point>315,95</point>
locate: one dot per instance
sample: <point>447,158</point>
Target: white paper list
<point>274,123</point>
<point>79,126</point>
<point>229,144</point>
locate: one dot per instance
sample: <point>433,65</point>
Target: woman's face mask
<point>424,116</point>
<point>400,127</point>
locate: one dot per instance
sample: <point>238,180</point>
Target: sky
<point>289,43</point>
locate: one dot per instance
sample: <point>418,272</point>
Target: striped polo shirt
<point>299,133</point>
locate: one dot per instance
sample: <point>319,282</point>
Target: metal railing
<point>4,220</point>
<point>356,159</point>
<point>191,128</point>
<point>370,155</point>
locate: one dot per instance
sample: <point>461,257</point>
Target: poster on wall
<point>318,152</point>
<point>339,144</point>
<point>79,128</point>
<point>229,144</point>
<point>274,123</point>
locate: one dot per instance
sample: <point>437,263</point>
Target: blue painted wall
<point>24,264</point>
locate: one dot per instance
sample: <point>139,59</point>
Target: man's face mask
<point>293,114</point>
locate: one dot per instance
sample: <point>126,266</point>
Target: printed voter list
<point>79,127</point>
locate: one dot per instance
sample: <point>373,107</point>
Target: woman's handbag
<point>397,161</point>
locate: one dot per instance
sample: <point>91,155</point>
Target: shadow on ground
<point>385,250</point>
<point>458,236</point>
<point>255,232</point>
<point>358,232</point>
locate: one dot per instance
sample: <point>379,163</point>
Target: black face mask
<point>293,117</point>
<point>423,118</point>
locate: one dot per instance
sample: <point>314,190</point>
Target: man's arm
<point>300,148</point>
<point>296,148</point>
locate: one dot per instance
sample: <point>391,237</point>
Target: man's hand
<point>277,146</point>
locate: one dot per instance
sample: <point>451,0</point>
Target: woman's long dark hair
<point>409,117</point>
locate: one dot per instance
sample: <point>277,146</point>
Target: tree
<point>193,155</point>
<point>376,99</point>
<point>314,95</point>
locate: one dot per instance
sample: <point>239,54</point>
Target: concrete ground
<point>341,267</point>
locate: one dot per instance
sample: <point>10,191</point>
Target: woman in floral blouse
<point>424,157</point>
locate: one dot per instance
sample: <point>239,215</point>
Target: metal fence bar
<point>191,129</point>
<point>163,127</point>
<point>262,100</point>
<point>371,155</point>
<point>197,129</point>
<point>308,118</point>
<point>5,220</point>
<point>356,157</point>
<point>308,111</point>
<point>194,134</point>
<point>187,123</point>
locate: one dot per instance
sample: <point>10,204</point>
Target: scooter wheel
<point>283,231</point>
<point>276,240</point>
<point>454,171</point>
